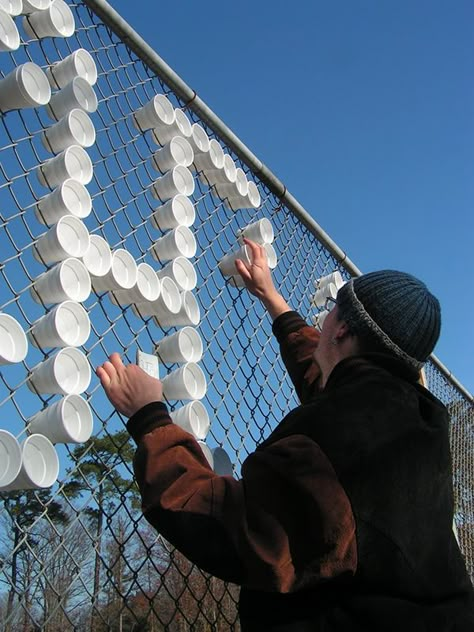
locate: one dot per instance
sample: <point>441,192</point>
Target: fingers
<point>103,376</point>
<point>116,361</point>
<point>258,251</point>
<point>242,270</point>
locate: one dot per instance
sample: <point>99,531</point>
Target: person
<point>342,517</point>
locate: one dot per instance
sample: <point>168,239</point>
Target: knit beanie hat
<point>395,310</point>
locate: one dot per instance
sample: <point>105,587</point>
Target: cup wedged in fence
<point>10,458</point>
<point>212,159</point>
<point>272,258</point>
<point>182,271</point>
<point>147,288</point>
<point>30,6</point>
<point>177,151</point>
<point>193,418</point>
<point>55,21</point>
<point>199,139</point>
<point>207,453</point>
<point>327,291</point>
<point>183,346</point>
<point>166,305</point>
<point>67,280</point>
<point>78,94</point>
<point>122,274</point>
<point>189,313</point>
<point>98,257</point>
<point>177,180</point>
<point>74,128</point>
<point>67,421</point>
<point>9,36</point>
<point>222,463</point>
<point>334,277</point>
<point>80,63</point>
<point>260,231</point>
<point>69,237</point>
<point>227,263</point>
<point>186,383</point>
<point>69,198</point>
<point>158,111</point>
<point>181,126</point>
<point>66,325</point>
<point>12,7</point>
<point>39,464</point>
<point>24,87</point>
<point>178,211</point>
<point>178,242</point>
<point>73,163</point>
<point>67,372</point>
<point>13,341</point>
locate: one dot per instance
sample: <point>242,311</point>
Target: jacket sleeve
<point>297,344</point>
<point>286,525</point>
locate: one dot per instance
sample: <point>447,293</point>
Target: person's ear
<point>342,331</point>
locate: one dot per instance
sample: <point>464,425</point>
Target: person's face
<point>325,349</point>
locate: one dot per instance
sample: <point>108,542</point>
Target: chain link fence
<point>77,555</point>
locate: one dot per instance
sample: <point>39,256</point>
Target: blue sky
<point>364,109</point>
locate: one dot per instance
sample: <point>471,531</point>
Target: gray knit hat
<point>395,310</point>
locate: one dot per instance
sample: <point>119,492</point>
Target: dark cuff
<point>147,419</point>
<point>286,324</point>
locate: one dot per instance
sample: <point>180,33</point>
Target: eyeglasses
<point>329,303</point>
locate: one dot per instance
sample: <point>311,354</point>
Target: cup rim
<point>20,341</point>
<point>14,449</point>
<point>12,32</point>
<point>51,454</point>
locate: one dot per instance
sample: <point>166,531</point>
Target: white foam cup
<point>235,192</point>
<point>319,319</point>
<point>178,211</point>
<point>189,313</point>
<point>69,237</point>
<point>147,288</point>
<point>328,291</point>
<point>183,124</point>
<point>177,180</point>
<point>222,463</point>
<point>67,325</point>
<point>98,257</point>
<point>207,453</point>
<point>9,36</point>
<point>272,258</point>
<point>69,280</point>
<point>75,128</point>
<point>159,111</point>
<point>199,139</point>
<point>78,64</point>
<point>24,87</point>
<point>180,127</point>
<point>253,195</point>
<point>55,21</point>
<point>69,198</point>
<point>65,373</point>
<point>193,418</point>
<point>212,159</point>
<point>72,163</point>
<point>67,421</point>
<point>335,277</point>
<point>122,274</point>
<point>182,271</point>
<point>166,305</point>
<point>183,346</point>
<point>260,231</point>
<point>227,263</point>
<point>236,281</point>
<point>178,242</point>
<point>30,6</point>
<point>12,7</point>
<point>187,382</point>
<point>78,94</point>
<point>13,342</point>
<point>177,151</point>
<point>39,464</point>
<point>10,459</point>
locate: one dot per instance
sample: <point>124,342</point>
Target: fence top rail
<point>191,100</point>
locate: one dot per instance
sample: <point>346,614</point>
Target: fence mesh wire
<point>78,555</point>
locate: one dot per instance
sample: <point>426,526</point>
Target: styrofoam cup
<point>166,305</point>
<point>122,274</point>
<point>147,288</point>
<point>260,231</point>
<point>39,464</point>
<point>187,382</point>
<point>177,151</point>
<point>236,281</point>
<point>65,373</point>
<point>69,237</point>
<point>193,418</point>
<point>13,342</point>
<point>227,263</point>
<point>182,271</point>
<point>75,128</point>
<point>98,257</point>
<point>253,195</point>
<point>10,459</point>
<point>24,87</point>
<point>334,277</point>
<point>207,453</point>
<point>189,313</point>
<point>177,180</point>
<point>12,7</point>
<point>212,159</point>
<point>319,319</point>
<point>78,64</point>
<point>158,111</point>
<point>178,211</point>
<point>328,291</point>
<point>199,140</point>
<point>67,325</point>
<point>55,21</point>
<point>72,163</point>
<point>30,6</point>
<point>225,175</point>
<point>69,198</point>
<point>67,421</point>
<point>178,242</point>
<point>9,36</point>
<point>69,280</point>
<point>222,463</point>
<point>272,258</point>
<point>182,122</point>
<point>79,94</point>
<point>180,127</point>
<point>183,346</point>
